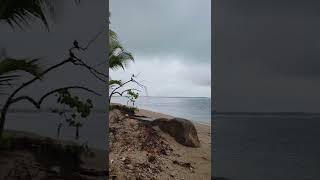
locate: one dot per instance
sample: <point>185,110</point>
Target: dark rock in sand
<point>182,130</point>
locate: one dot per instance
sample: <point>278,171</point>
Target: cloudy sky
<point>171,44</point>
<point>71,22</point>
<point>267,55</point>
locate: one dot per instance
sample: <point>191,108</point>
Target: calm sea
<point>94,128</point>
<point>266,147</point>
<point>195,108</point>
<point>93,132</point>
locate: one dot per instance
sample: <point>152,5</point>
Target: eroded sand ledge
<point>21,162</point>
<point>138,152</point>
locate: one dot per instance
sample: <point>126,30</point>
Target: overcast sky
<point>267,55</point>
<point>171,44</point>
<point>71,22</point>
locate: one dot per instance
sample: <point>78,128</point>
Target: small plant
<point>117,88</point>
<point>5,142</point>
<point>77,110</point>
<point>132,96</point>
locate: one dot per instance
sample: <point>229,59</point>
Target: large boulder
<point>182,130</point>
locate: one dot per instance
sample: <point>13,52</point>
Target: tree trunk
<point>3,119</point>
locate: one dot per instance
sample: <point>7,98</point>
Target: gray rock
<point>182,130</point>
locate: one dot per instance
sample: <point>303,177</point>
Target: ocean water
<point>266,147</point>
<point>94,129</point>
<point>195,109</point>
<point>93,132</point>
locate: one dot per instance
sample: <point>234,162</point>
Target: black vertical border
<point>213,85</point>
<point>107,89</point>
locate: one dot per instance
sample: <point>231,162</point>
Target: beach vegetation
<point>117,87</point>
<point>20,13</point>
<point>62,93</point>
<point>73,112</point>
<point>48,152</point>
<point>119,58</point>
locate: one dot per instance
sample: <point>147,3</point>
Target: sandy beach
<point>22,162</point>
<point>128,161</point>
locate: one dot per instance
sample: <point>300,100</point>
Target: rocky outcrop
<point>182,130</point>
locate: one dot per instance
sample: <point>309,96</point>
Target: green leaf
<point>115,82</point>
<point>118,56</point>
<point>8,65</point>
<point>22,12</point>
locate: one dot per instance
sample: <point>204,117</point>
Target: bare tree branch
<point>28,98</point>
<point>121,93</point>
<point>92,70</point>
<point>37,104</point>
<point>7,103</point>
<point>113,91</point>
<point>94,38</point>
<point>120,85</point>
<point>73,59</point>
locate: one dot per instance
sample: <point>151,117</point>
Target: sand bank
<point>128,161</point>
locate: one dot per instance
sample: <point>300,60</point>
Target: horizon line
<point>270,112</point>
<point>174,96</point>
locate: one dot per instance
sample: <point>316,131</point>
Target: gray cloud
<point>169,76</point>
<point>171,42</point>
<point>180,27</point>
<point>267,56</point>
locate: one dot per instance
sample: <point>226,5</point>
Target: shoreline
<point>171,116</point>
<point>162,115</point>
<point>178,161</point>
<point>155,114</point>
